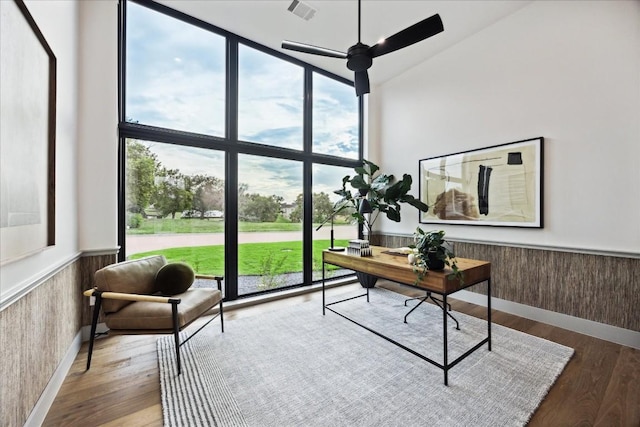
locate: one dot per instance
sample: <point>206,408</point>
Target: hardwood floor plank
<point>147,417</point>
<point>621,404</point>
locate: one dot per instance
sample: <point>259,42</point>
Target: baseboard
<point>602,331</point>
<point>42,406</point>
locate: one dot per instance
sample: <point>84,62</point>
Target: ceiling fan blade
<point>314,50</point>
<point>413,34</point>
<point>362,82</point>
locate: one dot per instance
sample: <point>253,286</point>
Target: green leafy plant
<point>271,267</point>
<point>431,248</point>
<point>383,193</point>
<point>134,220</point>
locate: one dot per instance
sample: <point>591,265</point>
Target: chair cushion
<point>153,317</point>
<point>130,277</point>
<point>174,278</point>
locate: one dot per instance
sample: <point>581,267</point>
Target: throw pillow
<point>174,278</point>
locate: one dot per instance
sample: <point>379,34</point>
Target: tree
<point>296,214</point>
<point>171,195</point>
<point>322,208</point>
<point>208,194</point>
<point>258,208</point>
<point>142,165</point>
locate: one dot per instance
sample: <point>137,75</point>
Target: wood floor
<point>599,387</point>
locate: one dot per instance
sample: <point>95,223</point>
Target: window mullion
<point>231,181</point>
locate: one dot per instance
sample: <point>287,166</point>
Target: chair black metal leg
<point>411,299</point>
<point>436,300</point>
<point>221,317</point>
<point>94,323</point>
<point>439,303</point>
<point>423,298</point>
<point>411,311</point>
<point>219,280</point>
<point>176,335</point>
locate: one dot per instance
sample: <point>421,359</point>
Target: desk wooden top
<point>397,269</point>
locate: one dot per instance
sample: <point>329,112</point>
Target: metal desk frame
<point>446,366</point>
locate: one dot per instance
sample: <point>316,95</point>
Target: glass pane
<point>335,118</point>
<point>327,179</point>
<point>175,205</point>
<point>175,74</point>
<point>269,236</point>
<point>270,92</point>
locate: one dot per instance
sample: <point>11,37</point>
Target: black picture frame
<point>27,143</point>
<point>500,185</point>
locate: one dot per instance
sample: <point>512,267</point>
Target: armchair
<point>127,294</point>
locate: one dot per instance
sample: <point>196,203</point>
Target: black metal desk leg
<point>489,312</point>
<point>446,355</point>
<point>323,303</point>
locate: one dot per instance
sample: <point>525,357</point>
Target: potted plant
<point>376,193</point>
<point>431,252</point>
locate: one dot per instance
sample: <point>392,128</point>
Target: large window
<point>230,153</point>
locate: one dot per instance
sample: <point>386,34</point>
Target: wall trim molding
<point>6,299</point>
<point>100,252</point>
<point>42,406</point>
<point>602,331</point>
<point>571,249</point>
<point>30,284</point>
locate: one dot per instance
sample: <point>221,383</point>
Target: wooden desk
<point>397,269</point>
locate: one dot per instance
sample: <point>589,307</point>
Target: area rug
<point>295,367</point>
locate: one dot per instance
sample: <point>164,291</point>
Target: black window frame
<point>229,143</point>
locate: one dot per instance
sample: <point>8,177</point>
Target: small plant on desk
<point>432,252</point>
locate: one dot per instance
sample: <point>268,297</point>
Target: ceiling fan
<point>360,56</point>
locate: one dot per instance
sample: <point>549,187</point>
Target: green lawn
<point>254,258</point>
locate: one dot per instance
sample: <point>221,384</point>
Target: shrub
<point>134,221</point>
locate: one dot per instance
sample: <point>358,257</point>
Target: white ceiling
<point>335,26</point>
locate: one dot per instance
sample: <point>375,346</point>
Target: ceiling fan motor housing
<point>359,58</point>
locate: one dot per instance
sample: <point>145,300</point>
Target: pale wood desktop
<point>397,269</point>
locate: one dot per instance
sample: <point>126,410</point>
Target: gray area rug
<point>295,367</point>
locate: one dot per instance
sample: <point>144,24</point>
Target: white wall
<point>565,70</point>
<point>98,126</point>
<point>58,21</point>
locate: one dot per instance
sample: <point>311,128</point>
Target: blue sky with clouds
<point>175,79</point>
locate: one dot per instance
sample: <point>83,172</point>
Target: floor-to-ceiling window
<point>230,152</point>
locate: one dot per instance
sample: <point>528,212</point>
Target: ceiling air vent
<point>302,10</point>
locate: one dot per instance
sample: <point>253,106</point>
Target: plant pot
<point>366,280</point>
<point>433,263</point>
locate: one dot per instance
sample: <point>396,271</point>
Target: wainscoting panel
<point>88,266</point>
<point>604,289</point>
<point>36,332</point>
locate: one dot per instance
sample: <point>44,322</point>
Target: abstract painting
<point>498,186</point>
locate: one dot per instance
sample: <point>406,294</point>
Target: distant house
<point>152,212</point>
<point>287,209</point>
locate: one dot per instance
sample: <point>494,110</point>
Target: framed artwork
<point>27,135</point>
<point>498,186</point>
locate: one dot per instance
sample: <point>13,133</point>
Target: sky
<point>175,79</point>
